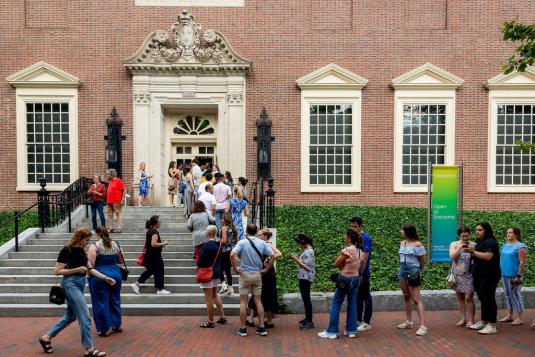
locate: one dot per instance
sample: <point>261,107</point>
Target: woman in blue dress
<point>238,206</point>
<point>144,184</point>
<point>104,255</point>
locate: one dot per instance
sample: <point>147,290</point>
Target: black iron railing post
<point>254,202</point>
<point>70,223</point>
<point>16,231</point>
<point>262,204</point>
<point>270,204</point>
<point>43,207</point>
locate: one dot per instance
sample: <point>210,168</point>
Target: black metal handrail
<point>53,209</point>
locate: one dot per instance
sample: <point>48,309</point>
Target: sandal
<point>118,230</point>
<point>222,321</point>
<point>104,334</point>
<point>207,324</point>
<point>249,323</point>
<point>95,353</point>
<point>47,345</point>
<point>116,330</point>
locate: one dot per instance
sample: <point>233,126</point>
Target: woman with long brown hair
<point>104,255</point>
<point>73,265</point>
<point>227,234</point>
<point>172,182</point>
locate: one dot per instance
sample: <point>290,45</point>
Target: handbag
<point>339,283</point>
<point>171,183</point>
<point>141,259</point>
<point>57,295</point>
<point>412,278</point>
<point>450,279</point>
<point>124,270</point>
<point>205,275</point>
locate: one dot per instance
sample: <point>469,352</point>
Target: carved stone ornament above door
<point>185,51</point>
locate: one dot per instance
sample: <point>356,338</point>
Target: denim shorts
<point>404,269</point>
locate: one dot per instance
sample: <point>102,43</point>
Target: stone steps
<point>26,276</point>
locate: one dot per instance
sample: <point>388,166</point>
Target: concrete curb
<point>393,300</point>
<point>9,246</point>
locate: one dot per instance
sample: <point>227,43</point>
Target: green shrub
<point>327,224</point>
<point>28,220</point>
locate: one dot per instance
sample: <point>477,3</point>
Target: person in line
<point>306,273</point>
<point>190,191</point>
<point>205,180</point>
<point>412,262</point>
<point>208,199</point>
<point>364,297</point>
<point>227,233</point>
<point>464,282</point>
<point>228,179</point>
<point>242,184</point>
<point>252,253</point>
<point>73,265</point>
<point>486,273</point>
<point>182,184</point>
<point>239,208</point>
<point>144,185</point>
<point>97,193</point>
<point>197,174</point>
<point>270,300</point>
<point>197,223</point>
<point>172,182</point>
<point>349,263</point>
<point>210,256</point>
<point>512,264</point>
<point>104,256</point>
<point>114,200</point>
<point>222,194</point>
<point>215,169</point>
<point>153,262</point>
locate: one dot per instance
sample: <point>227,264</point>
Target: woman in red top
<point>96,194</point>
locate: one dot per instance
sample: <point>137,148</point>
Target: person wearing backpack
<point>251,251</point>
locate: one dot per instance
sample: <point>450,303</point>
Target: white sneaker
<point>478,326</point>
<point>364,327</point>
<point>422,331</point>
<point>224,288</point>
<point>405,325</point>
<point>230,290</point>
<point>488,330</point>
<point>135,287</point>
<point>350,335</point>
<point>328,335</point>
<point>163,292</point>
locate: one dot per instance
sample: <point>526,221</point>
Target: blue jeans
<point>338,299</point>
<point>99,205</point>
<point>364,299</point>
<point>76,309</point>
<point>219,213</point>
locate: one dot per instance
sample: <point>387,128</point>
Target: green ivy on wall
<point>327,225</point>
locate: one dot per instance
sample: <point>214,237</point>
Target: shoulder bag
<point>450,279</point>
<point>57,294</point>
<point>256,250</point>
<point>124,269</point>
<point>205,275</point>
<point>412,278</point>
<point>141,259</point>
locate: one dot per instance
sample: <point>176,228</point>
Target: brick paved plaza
<point>180,336</point>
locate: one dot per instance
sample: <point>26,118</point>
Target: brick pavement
<point>180,336</point>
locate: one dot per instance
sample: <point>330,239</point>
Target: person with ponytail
<point>411,263</point>
<point>73,265</point>
<point>153,258</point>
<point>104,255</point>
<point>350,264</point>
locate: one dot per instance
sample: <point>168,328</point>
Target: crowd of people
<point>224,241</point>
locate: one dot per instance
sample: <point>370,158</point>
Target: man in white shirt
<point>202,186</point>
<point>208,199</point>
<point>222,193</point>
<point>197,173</point>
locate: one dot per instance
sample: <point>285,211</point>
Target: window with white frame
<point>330,144</point>
<point>511,119</point>
<point>330,130</point>
<point>424,133</point>
<point>47,129</point>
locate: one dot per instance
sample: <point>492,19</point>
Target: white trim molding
<point>42,82</point>
<point>331,85</point>
<point>516,88</point>
<point>425,85</point>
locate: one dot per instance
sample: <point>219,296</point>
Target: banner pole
<point>460,203</point>
<point>429,203</point>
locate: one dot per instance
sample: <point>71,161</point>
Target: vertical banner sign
<point>444,213</point>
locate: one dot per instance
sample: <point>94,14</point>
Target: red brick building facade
<point>398,67</point>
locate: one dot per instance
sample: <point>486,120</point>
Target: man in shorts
<point>252,252</point>
<point>114,199</point>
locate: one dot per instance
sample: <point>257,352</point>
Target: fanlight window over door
<point>194,126</point>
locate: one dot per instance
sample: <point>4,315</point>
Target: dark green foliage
<point>327,224</point>
<point>28,219</point>
<point>525,53</point>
